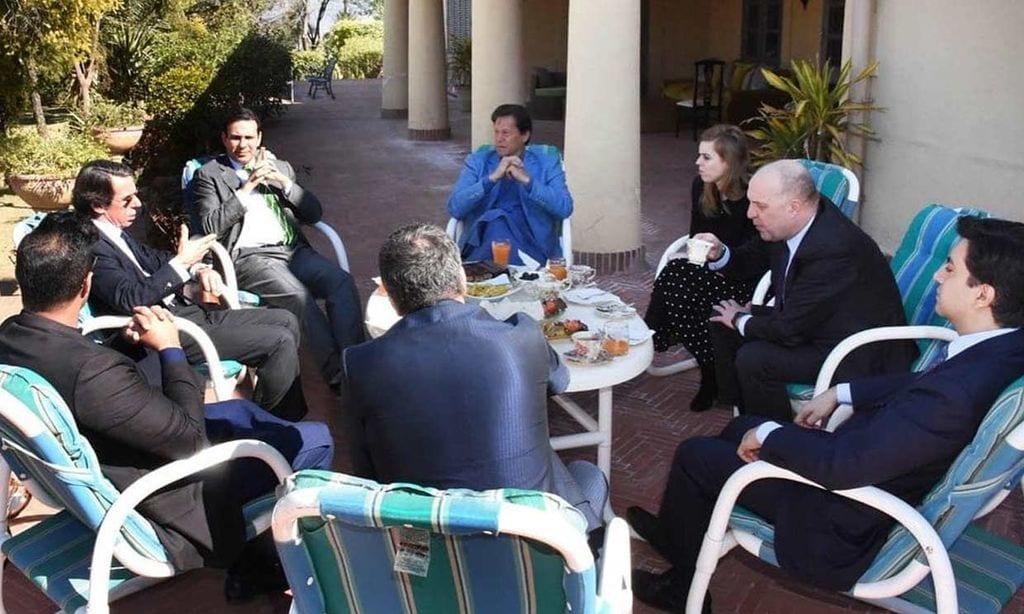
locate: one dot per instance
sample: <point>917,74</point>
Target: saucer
<point>573,357</point>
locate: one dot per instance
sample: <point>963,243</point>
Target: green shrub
<point>23,151</point>
<point>108,114</point>
<point>306,62</point>
<point>346,29</point>
<point>174,92</point>
<point>361,58</point>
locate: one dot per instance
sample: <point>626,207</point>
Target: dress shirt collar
<point>794,242</point>
<point>963,342</point>
<point>235,164</point>
<point>109,230</point>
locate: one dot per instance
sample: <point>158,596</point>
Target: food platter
<point>555,330</point>
<point>490,291</point>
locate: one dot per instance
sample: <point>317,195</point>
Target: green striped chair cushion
<point>345,561</point>
<point>63,463</point>
<point>832,184</point>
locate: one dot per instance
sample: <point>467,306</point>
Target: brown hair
<point>731,144</point>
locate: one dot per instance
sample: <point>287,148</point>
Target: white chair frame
<point>455,228</point>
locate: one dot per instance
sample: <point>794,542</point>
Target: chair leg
<point>330,90</point>
<point>310,92</point>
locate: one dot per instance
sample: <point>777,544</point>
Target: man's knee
<point>756,359</point>
<point>317,447</point>
<point>738,427</point>
<point>286,320</point>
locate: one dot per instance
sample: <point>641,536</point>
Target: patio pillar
<point>602,132</point>
<point>394,97</point>
<point>428,100</point>
<point>498,73</point>
<point>858,47</point>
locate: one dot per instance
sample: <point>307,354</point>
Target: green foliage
<point>346,29</point>
<point>129,51</point>
<point>62,154</point>
<point>460,61</point>
<point>359,47</point>
<point>816,123</point>
<point>306,62</point>
<point>175,91</point>
<point>109,114</point>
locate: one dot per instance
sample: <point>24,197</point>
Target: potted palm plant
<point>42,171</point>
<point>817,122</point>
<point>460,65</point>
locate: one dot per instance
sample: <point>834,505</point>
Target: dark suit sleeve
<point>353,425</point>
<point>122,290</point>
<point>747,261</point>
<point>875,389</point>
<point>922,426</point>
<point>811,297</point>
<point>304,203</point>
<point>113,398</point>
<point>216,215</point>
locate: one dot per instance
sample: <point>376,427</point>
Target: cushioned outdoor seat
<point>352,545</point>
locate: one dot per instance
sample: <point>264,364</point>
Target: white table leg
<point>604,426</point>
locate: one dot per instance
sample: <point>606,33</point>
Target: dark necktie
<point>779,275</point>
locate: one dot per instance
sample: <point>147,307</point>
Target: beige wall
<point>801,29</point>
<point>953,130</point>
<point>545,33</point>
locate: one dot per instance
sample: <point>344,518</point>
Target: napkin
<point>589,296</point>
<point>528,262</point>
<point>497,281</point>
<point>503,309</point>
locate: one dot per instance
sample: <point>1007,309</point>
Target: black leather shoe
<point>707,392</point>
<point>648,526</point>
<point>666,591</point>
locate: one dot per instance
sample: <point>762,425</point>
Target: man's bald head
<point>783,199</point>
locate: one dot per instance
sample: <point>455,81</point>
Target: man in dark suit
<point>830,280</point>
<point>906,431</point>
<point>128,274</point>
<point>450,397</point>
<point>251,202</point>
<point>134,427</point>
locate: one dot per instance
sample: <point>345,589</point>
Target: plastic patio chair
<point>840,185</point>
<point>69,555</point>
<point>456,227</point>
<point>323,80</point>
<point>353,545</point>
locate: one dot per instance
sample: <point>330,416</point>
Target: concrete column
<point>428,100</point>
<point>395,88</point>
<point>859,48</point>
<point>499,75</point>
<point>602,131</point>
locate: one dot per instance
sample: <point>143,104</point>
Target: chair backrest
<point>836,183</point>
<point>985,467</point>
<point>924,248</point>
<point>329,65</point>
<point>349,544</point>
<point>187,174</point>
<point>708,82</point>
<point>42,444</point>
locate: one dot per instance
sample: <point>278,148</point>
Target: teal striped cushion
<point>832,184</point>
<point>79,486</point>
<point>345,563</point>
<point>55,555</point>
<point>231,368</point>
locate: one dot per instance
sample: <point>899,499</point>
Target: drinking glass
<point>616,338</point>
<point>556,266</point>
<point>500,251</point>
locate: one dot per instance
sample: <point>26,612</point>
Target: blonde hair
<point>731,145</point>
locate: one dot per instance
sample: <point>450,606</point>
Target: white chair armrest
<point>336,243</point>
<point>674,247</point>
<point>230,279</point>
<point>916,525</point>
<point>106,536</point>
<point>615,582</point>
<point>221,387</point>
<point>761,290</point>
<point>454,229</point>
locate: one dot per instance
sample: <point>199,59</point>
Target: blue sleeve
<point>549,191</point>
<point>471,188</point>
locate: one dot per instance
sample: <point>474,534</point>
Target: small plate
<point>614,310</point>
<point>602,359</point>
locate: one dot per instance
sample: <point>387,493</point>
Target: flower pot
<point>43,192</point>
<point>119,140</point>
<point>465,99</point>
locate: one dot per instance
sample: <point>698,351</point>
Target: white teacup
<point>697,251</point>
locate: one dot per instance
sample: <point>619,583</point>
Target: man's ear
<point>986,296</point>
<point>98,211</point>
<point>86,287</point>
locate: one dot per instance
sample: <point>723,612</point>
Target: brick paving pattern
<point>371,179</point>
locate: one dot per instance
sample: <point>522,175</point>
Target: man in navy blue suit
<point>905,432</point>
<point>450,397</point>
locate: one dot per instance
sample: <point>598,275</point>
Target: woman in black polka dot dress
<point>684,293</point>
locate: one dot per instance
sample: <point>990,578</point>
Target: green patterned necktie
<point>270,198</point>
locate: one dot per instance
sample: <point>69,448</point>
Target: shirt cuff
<point>722,261</point>
<point>180,270</point>
<point>170,356</point>
<point>741,323</point>
<point>843,394</point>
<point>765,429</point>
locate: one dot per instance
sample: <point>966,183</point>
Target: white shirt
<point>844,396</point>
<point>260,226</point>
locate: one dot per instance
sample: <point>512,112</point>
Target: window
<point>832,31</point>
<point>762,31</point>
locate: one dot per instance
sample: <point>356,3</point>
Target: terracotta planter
<point>119,140</point>
<point>42,192</point>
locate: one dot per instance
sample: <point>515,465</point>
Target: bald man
<point>829,280</point>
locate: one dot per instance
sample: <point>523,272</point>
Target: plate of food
<point>555,330</point>
<point>486,291</point>
<point>580,359</point>
<point>482,270</point>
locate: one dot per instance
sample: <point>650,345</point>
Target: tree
<point>49,35</point>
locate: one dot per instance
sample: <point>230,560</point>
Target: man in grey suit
<point>251,202</point>
<point>450,397</point>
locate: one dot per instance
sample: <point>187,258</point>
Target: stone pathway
<point>371,180</point>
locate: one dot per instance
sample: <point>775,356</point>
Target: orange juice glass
<point>500,251</point>
<point>557,268</point>
<point>616,339</point>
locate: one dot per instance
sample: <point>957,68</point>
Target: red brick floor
<point>372,179</point>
